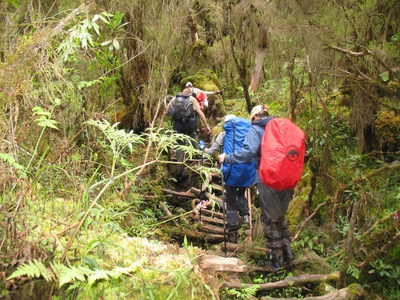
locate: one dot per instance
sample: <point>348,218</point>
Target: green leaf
<point>31,269</point>
<point>96,28</point>
<point>39,111</point>
<point>45,272</point>
<point>106,43</point>
<point>11,160</point>
<point>116,44</point>
<point>98,275</point>
<point>384,76</point>
<point>68,275</point>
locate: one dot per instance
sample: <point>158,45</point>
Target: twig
<point>166,210</point>
<point>308,219</point>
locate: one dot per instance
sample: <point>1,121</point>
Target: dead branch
<point>206,182</point>
<point>364,53</point>
<point>231,247</point>
<point>212,228</point>
<point>212,213</point>
<point>292,264</point>
<point>168,213</point>
<point>218,263</point>
<point>381,250</point>
<point>208,219</point>
<point>308,219</point>
<point>287,282</point>
<point>183,194</point>
<point>353,293</point>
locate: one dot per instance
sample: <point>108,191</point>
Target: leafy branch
<point>65,275</point>
<point>44,120</point>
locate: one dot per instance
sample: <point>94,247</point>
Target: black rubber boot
<point>275,260</point>
<point>233,237</point>
<point>245,220</point>
<point>287,254</point>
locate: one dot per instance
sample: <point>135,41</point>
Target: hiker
<point>235,198</point>
<point>201,96</point>
<point>274,204</point>
<point>185,111</point>
<point>188,126</point>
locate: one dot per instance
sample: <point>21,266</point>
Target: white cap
<point>229,117</point>
<point>188,84</point>
<point>259,109</point>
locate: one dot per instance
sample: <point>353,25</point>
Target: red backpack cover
<point>200,96</point>
<point>282,154</point>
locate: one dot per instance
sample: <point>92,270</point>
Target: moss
<point>204,79</point>
<point>355,291</point>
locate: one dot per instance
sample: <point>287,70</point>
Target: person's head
<point>259,111</point>
<point>188,87</point>
<point>229,117</point>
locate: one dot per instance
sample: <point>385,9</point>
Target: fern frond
<point>118,271</point>
<point>47,274</point>
<point>72,274</point>
<point>99,275</point>
<point>31,269</point>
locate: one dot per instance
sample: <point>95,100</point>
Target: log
<point>183,194</point>
<point>224,264</point>
<point>353,293</point>
<point>206,182</point>
<point>292,264</point>
<point>207,219</point>
<point>168,213</point>
<point>213,213</point>
<point>231,247</point>
<point>194,235</point>
<point>213,229</point>
<point>287,282</point>
<point>195,191</point>
<point>206,211</point>
<point>212,197</point>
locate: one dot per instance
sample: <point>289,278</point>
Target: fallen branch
<point>207,219</point>
<point>308,219</point>
<point>168,213</point>
<point>218,263</point>
<point>354,292</point>
<point>183,194</point>
<point>287,282</point>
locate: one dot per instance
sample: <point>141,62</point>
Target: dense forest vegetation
<point>85,145</point>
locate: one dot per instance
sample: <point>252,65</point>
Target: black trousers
<point>236,202</point>
<point>274,205</point>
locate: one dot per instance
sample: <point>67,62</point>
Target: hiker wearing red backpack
<point>274,203</point>
<point>236,178</point>
<point>188,122</point>
<point>201,95</point>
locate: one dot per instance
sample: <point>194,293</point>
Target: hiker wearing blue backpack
<point>236,178</point>
<point>274,203</point>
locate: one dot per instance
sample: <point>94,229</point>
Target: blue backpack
<point>240,175</point>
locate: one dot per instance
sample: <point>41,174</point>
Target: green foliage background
<point>84,144</point>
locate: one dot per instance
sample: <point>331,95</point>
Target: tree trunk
<point>263,44</point>
<point>241,63</point>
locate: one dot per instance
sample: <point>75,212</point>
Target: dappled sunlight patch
<point>159,255</point>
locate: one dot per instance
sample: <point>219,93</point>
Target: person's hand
<point>221,158</point>
<point>208,129</point>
